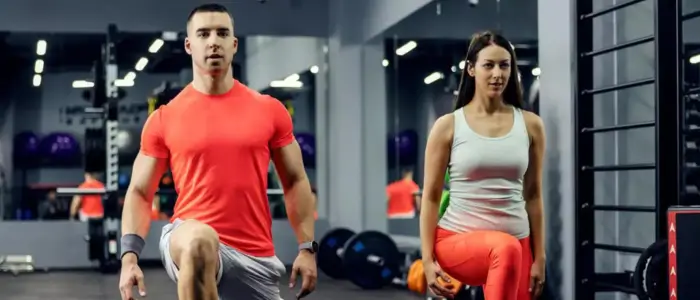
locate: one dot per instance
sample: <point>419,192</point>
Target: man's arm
<point>145,175</point>
<point>298,198</point>
<point>74,207</point>
<point>149,166</point>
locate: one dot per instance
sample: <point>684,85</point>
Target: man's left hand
<point>304,265</point>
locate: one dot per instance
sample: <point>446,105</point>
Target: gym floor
<point>89,285</point>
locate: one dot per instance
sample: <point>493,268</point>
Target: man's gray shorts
<point>240,276</point>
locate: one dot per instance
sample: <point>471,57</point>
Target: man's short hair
<point>209,7</point>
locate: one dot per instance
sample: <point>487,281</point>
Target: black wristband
<point>132,243</point>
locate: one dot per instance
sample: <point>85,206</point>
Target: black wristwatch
<point>309,246</point>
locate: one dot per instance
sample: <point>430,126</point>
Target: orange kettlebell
<point>416,281</point>
<point>416,278</point>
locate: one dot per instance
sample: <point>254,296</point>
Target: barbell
<point>370,259</point>
<point>651,273</point>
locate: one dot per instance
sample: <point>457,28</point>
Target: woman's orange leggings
<point>496,260</point>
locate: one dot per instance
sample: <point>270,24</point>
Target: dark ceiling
<point>79,52</point>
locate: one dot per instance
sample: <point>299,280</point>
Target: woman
<point>492,233</point>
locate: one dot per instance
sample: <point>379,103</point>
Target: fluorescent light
<point>385,63</point>
<point>36,81</point>
<point>536,72</point>
<point>123,83</point>
<point>292,78</point>
<point>39,66</point>
<point>169,35</point>
<point>435,76</point>
<point>286,84</point>
<point>461,65</point>
<point>407,47</point>
<point>313,69</point>
<point>41,47</point>
<point>695,59</point>
<point>141,64</point>
<point>130,76</point>
<point>82,84</point>
<point>155,46</point>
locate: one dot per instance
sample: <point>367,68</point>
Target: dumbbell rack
<point>666,37</point>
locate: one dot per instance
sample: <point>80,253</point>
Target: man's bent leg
<point>190,251</point>
<point>248,277</point>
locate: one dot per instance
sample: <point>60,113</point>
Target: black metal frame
<point>667,38</point>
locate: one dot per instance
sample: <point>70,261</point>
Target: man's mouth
<point>215,56</point>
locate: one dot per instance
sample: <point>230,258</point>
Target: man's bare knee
<point>196,243</point>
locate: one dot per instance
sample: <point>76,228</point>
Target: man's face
<point>210,42</point>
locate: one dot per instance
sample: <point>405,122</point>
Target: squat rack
<point>667,81</point>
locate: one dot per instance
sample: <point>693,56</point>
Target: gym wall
<point>41,113</point>
<point>624,147</point>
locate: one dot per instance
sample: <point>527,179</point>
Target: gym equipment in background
<point>402,148</point>
<point>307,143</point>
<point>124,180</point>
<point>25,148</point>
<point>682,252</point>
<point>60,148</point>
<point>16,264</point>
<point>370,259</point>
<point>650,276</point>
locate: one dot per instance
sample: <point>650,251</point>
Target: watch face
<point>314,246</point>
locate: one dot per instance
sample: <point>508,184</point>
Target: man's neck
<point>213,84</point>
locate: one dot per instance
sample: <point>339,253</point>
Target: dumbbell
<point>370,259</point>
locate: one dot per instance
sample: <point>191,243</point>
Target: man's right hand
<point>131,276</point>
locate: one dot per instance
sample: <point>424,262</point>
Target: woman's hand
<point>432,273</point>
<point>537,278</point>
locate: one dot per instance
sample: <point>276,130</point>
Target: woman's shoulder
<point>533,122</point>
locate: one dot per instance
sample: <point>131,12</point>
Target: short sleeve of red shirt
<point>284,130</point>
<point>152,141</point>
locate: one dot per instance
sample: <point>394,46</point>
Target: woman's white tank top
<point>486,179</point>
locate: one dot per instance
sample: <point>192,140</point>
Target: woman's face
<point>491,71</point>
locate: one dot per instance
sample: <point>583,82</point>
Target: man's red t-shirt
<point>91,205</point>
<point>402,197</point>
<point>218,147</point>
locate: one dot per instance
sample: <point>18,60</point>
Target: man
<point>88,206</point>
<point>403,201</point>
<point>52,208</point>
<point>218,136</point>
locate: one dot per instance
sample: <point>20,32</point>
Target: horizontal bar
<point>611,287</point>
<point>609,9</point>
<point>618,127</point>
<point>94,110</point>
<point>619,46</point>
<point>618,87</point>
<point>629,167</point>
<point>690,16</point>
<point>631,208</point>
<point>626,249</point>
<point>84,191</point>
<point>694,90</point>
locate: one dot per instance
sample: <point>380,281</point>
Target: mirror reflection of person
<point>88,206</point>
<point>52,208</point>
<point>402,196</point>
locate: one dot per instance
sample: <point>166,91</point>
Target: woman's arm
<point>533,184</point>
<point>437,154</point>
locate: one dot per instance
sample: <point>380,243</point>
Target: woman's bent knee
<point>507,252</point>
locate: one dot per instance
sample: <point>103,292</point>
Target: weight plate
<point>371,260</point>
<point>327,257</point>
<point>650,274</point>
